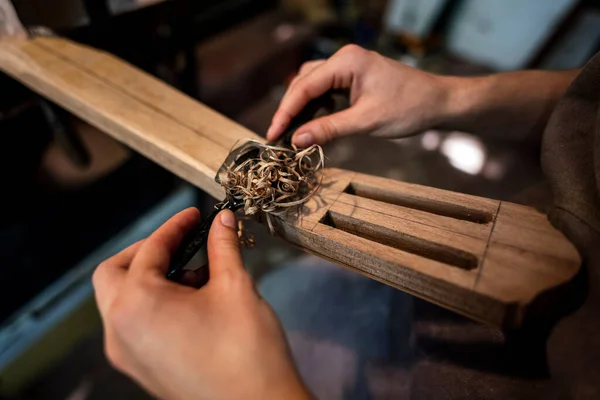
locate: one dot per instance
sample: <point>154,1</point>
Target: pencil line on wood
<point>110,84</point>
<point>487,246</point>
<point>332,203</point>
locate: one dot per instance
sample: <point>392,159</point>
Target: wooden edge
<point>465,301</point>
<point>184,146</point>
<point>510,276</point>
<point>527,259</point>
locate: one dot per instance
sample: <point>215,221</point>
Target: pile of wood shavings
<point>278,180</point>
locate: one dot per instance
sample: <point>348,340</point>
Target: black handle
<point>325,101</point>
<point>193,243</point>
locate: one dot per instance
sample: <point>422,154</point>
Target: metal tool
<point>191,254</point>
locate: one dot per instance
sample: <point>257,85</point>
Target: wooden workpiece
<point>486,259</point>
<point>170,128</point>
<point>483,258</point>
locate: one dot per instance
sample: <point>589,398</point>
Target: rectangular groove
<point>419,203</point>
<point>401,241</point>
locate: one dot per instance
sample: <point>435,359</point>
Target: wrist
<point>459,101</point>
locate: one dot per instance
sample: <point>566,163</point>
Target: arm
<point>222,341</point>
<point>514,104</point>
<point>390,99</point>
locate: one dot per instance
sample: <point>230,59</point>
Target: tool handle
<point>193,242</point>
<point>307,114</point>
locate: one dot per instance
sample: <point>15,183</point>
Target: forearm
<point>515,105</point>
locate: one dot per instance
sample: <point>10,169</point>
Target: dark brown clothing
<point>571,162</point>
<point>343,327</point>
<point>477,362</point>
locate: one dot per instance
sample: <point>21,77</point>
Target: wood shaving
<point>245,237</point>
<point>274,181</point>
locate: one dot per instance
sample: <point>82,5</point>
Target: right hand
<point>222,341</point>
<point>388,99</point>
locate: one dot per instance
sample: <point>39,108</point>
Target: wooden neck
<point>483,258</point>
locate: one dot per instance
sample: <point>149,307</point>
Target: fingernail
<point>228,219</point>
<point>304,140</point>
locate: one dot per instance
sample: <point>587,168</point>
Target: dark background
<point>67,189</point>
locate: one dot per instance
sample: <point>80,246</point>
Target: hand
<point>388,99</point>
<point>222,341</point>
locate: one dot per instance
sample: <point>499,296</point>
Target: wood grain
<point>483,258</point>
<point>518,256</point>
<point>154,119</point>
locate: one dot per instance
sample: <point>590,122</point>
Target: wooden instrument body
<point>486,259</point>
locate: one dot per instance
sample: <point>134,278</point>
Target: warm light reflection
<point>494,170</point>
<point>430,140</point>
<point>464,152</point>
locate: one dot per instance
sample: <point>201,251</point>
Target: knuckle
<point>329,129</point>
<point>98,273</point>
<point>309,66</point>
<point>241,277</point>
<point>304,68</point>
<point>113,355</point>
<point>295,80</point>
<point>121,315</point>
<point>229,245</point>
<point>305,91</point>
<point>351,50</point>
<point>359,57</point>
<point>234,279</point>
<point>305,88</point>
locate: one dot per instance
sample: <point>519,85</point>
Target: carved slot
<point>401,241</point>
<point>419,203</point>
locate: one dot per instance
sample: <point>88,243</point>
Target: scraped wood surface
<point>486,259</point>
<point>483,258</point>
<point>165,125</point>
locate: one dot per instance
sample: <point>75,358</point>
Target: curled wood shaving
<point>275,180</point>
<point>246,238</point>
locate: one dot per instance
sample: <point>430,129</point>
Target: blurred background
<point>72,196</point>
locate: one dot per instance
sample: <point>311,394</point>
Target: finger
<point>154,255</point>
<point>325,129</point>
<point>108,275</point>
<point>224,255</point>
<point>309,66</point>
<point>122,259</point>
<point>330,75</point>
<point>304,70</point>
<point>114,268</point>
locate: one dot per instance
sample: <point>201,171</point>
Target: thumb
<point>224,255</point>
<point>325,129</point>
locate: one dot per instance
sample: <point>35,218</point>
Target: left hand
<point>387,98</point>
<point>222,341</point>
